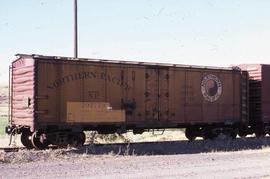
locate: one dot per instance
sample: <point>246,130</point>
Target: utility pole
<point>75,30</point>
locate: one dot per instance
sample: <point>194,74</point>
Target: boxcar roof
<point>37,56</point>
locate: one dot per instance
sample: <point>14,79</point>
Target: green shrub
<point>3,124</point>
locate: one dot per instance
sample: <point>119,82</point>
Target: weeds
<point>3,124</point>
<point>94,137</point>
<point>126,152</point>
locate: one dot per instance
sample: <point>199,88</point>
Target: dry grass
<point>3,108</point>
<point>168,135</point>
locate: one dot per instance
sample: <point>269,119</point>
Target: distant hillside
<point>3,100</point>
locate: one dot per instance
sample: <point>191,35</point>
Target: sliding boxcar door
<point>163,95</point>
<point>151,95</point>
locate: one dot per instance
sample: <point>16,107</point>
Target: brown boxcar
<point>54,99</point>
<point>259,97</point>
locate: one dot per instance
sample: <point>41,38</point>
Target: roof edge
<point>37,56</point>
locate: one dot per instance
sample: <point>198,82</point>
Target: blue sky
<point>201,32</point>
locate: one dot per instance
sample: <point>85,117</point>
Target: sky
<point>195,32</point>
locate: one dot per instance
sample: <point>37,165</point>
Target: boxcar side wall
<point>198,105</point>
<point>78,89</point>
<point>94,93</point>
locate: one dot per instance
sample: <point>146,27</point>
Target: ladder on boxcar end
<point>245,96</point>
<point>255,99</point>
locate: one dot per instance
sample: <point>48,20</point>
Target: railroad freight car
<point>259,98</point>
<point>54,99</point>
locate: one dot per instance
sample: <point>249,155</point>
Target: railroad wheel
<point>259,134</point>
<point>233,134</point>
<point>26,139</point>
<point>209,134</point>
<point>190,134</point>
<point>259,130</point>
<point>81,138</point>
<point>39,142</point>
<point>242,133</point>
<point>77,139</point>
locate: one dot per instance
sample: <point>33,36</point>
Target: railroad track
<point>16,149</point>
<point>11,149</point>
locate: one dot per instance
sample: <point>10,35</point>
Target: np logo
<point>211,88</point>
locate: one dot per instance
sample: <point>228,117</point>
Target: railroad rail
<point>11,149</point>
<point>17,149</point>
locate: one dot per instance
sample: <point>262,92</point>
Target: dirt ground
<point>240,158</point>
<point>245,164</point>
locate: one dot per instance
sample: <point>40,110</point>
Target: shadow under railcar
<point>174,147</point>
